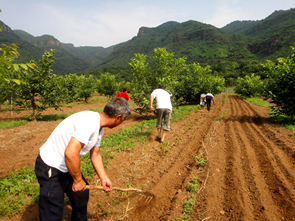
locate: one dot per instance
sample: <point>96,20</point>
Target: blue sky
<point>109,22</point>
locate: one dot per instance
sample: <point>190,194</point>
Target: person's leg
<point>167,122</point>
<point>51,199</point>
<point>159,132</point>
<point>160,113</point>
<point>163,135</point>
<point>78,201</point>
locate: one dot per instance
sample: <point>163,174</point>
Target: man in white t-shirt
<point>208,98</point>
<point>58,165</point>
<point>164,110</point>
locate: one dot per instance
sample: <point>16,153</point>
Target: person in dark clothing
<point>58,164</point>
<point>208,98</point>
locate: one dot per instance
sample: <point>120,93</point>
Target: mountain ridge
<point>199,42</point>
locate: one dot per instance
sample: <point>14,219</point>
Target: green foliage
<point>42,89</point>
<point>200,161</point>
<point>193,186</point>
<point>258,101</point>
<point>9,70</point>
<point>281,84</point>
<point>187,209</point>
<point>18,190</point>
<point>165,147</point>
<point>271,36</point>
<point>107,85</point>
<point>250,86</point>
<point>196,80</point>
<point>187,82</point>
<point>79,87</point>
<point>12,124</point>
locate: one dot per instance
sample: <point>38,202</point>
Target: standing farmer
<point>164,110</point>
<point>58,165</point>
<point>209,97</point>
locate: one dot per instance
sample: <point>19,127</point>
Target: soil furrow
<point>171,184</point>
<point>255,187</point>
<point>251,193</point>
<point>249,174</point>
<point>287,148</point>
<point>284,167</point>
<point>276,187</point>
<point>281,167</point>
<point>234,198</point>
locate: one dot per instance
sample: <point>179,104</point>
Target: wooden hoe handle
<point>114,188</point>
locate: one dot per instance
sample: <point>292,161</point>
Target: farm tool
<point>142,194</point>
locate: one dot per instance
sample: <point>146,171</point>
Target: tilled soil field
<point>249,173</point>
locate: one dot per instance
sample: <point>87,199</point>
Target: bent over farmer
<point>164,110</point>
<point>57,166</point>
<point>208,98</point>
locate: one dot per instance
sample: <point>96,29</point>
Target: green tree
<point>42,88</point>
<point>281,84</point>
<point>71,83</point>
<point>86,87</point>
<point>249,86</point>
<point>107,84</point>
<point>79,87</point>
<point>184,81</point>
<point>196,80</point>
<point>9,71</point>
<point>164,70</point>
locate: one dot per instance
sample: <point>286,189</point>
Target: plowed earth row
<point>249,174</point>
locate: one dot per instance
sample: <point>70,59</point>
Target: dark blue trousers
<point>53,185</point>
<point>208,101</point>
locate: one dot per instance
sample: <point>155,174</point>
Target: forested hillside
<point>68,59</point>
<point>226,50</point>
<point>273,35</point>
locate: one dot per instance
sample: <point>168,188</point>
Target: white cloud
<point>114,24</point>
<point>105,23</point>
<point>227,11</point>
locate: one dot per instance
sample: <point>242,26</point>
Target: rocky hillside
<point>68,59</point>
<point>273,35</point>
<point>202,43</point>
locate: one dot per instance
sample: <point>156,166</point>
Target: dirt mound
<point>249,174</point>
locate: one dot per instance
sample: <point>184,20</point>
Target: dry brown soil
<point>249,175</point>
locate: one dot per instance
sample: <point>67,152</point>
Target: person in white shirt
<point>57,166</point>
<point>164,110</point>
<point>208,98</point>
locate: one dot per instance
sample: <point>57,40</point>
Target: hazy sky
<point>109,22</point>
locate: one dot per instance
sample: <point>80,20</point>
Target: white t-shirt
<point>84,126</point>
<point>209,94</point>
<point>162,99</point>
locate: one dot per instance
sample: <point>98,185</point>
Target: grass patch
<point>12,124</point>
<point>20,189</point>
<point>17,191</point>
<point>258,101</point>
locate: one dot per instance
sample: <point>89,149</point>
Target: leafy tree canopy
<point>281,84</point>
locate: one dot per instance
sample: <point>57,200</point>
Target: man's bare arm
<point>96,160</point>
<point>72,159</point>
<point>151,103</point>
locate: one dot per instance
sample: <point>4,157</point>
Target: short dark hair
<point>161,87</point>
<point>117,106</point>
<point>124,89</point>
